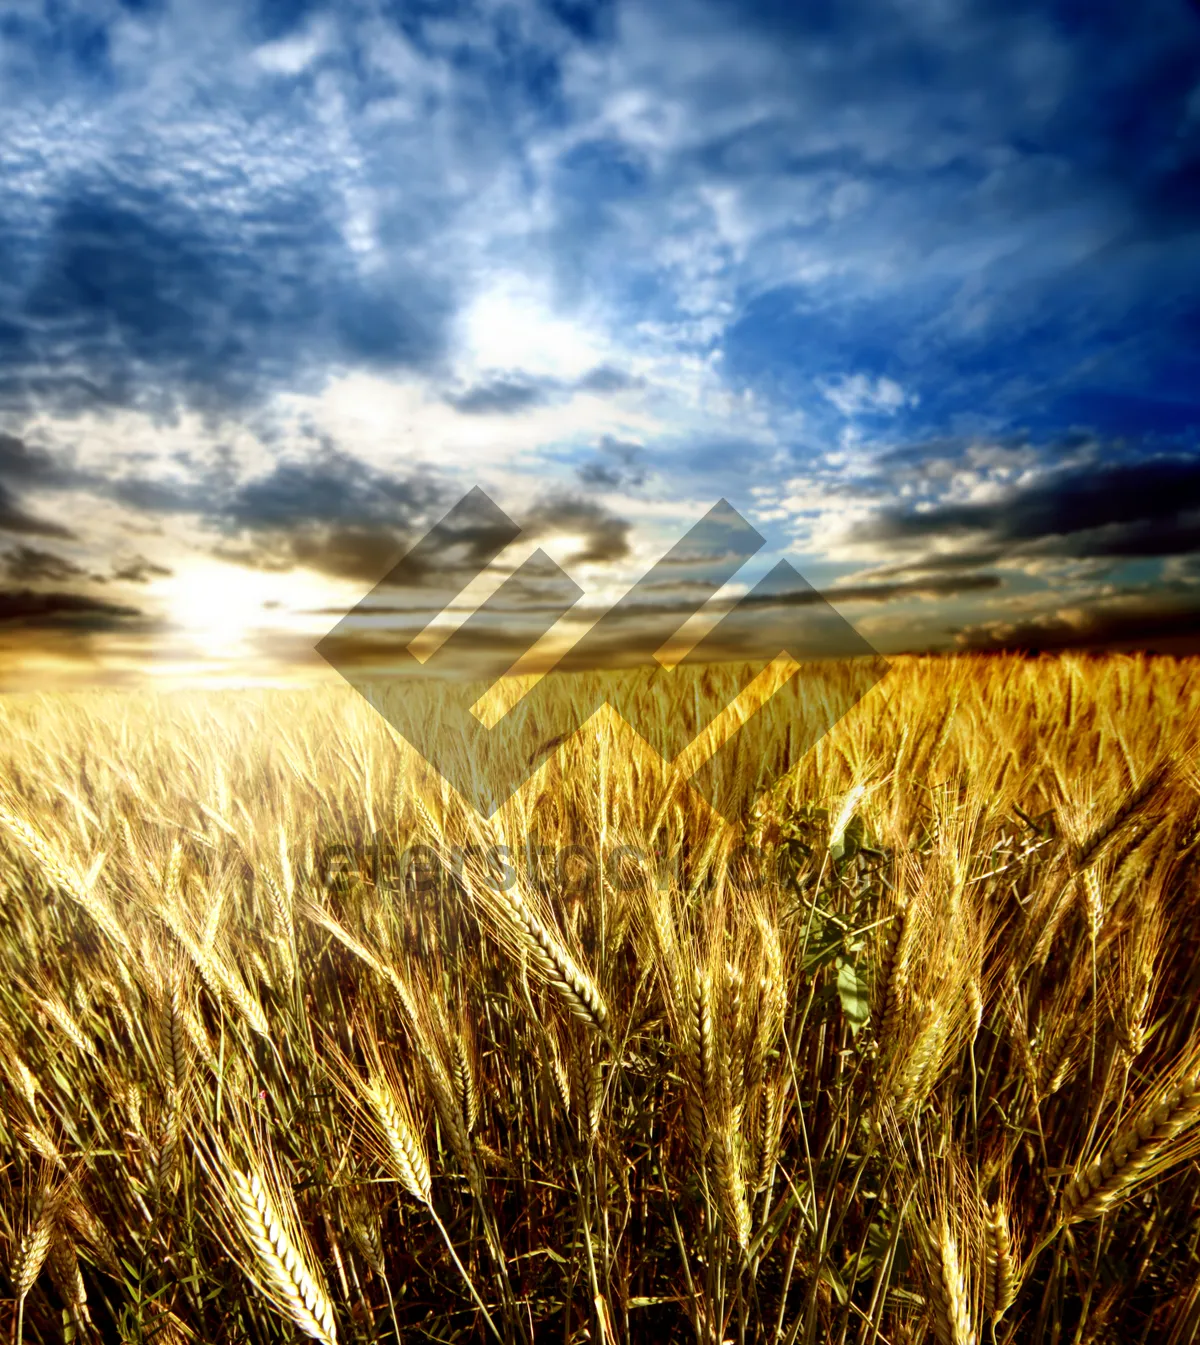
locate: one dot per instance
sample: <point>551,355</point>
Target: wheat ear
<point>558,1071</point>
<point>411,1166</point>
<point>464,1080</point>
<point>63,1265</point>
<point>914,1080</point>
<point>731,1190</point>
<point>292,1284</point>
<point>1000,1265</point>
<point>893,972</point>
<point>404,1147</point>
<point>445,1102</point>
<point>703,1043</point>
<point>93,1232</point>
<point>34,1246</point>
<point>67,878</point>
<point>951,1309</point>
<point>579,991</point>
<point>60,1016</point>
<point>1107,1180</point>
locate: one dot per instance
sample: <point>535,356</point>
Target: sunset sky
<point>915,286</point>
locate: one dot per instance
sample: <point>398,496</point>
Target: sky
<point>913,286</point>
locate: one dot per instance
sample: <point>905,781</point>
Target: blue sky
<point>916,286</point>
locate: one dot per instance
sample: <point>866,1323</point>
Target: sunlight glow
<point>509,328</point>
<point>219,607</point>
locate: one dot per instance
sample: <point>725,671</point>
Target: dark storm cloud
<point>1144,621</point>
<point>30,466</point>
<point>333,513</point>
<point>599,474</point>
<point>24,607</point>
<point>940,587</point>
<point>332,487</point>
<point>476,536</point>
<point>686,597</point>
<point>505,396</point>
<point>15,518</point>
<point>501,397</point>
<point>605,535</point>
<point>339,515</point>
<point>146,297</point>
<point>616,464</point>
<point>139,570</point>
<point>23,466</point>
<point>952,561</point>
<point>328,510</point>
<point>349,552</point>
<point>932,587</point>
<point>1148,508</point>
<point>30,564</point>
<point>607,378</point>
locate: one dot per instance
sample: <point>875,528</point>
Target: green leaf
<point>825,941</point>
<point>854,993</point>
<point>835,1282</point>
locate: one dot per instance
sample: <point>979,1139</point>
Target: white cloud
<point>854,394</point>
<point>294,54</point>
<point>512,326</point>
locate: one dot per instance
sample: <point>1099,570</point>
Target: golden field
<point>921,1064</point>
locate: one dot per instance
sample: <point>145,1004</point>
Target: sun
<point>220,607</point>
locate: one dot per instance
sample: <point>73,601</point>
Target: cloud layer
<point>913,285</point>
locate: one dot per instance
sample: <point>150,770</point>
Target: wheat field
<point>906,1048</point>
